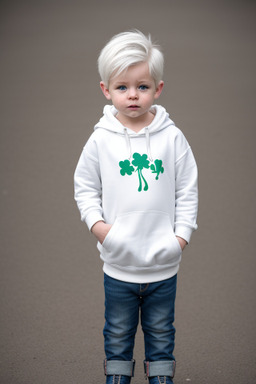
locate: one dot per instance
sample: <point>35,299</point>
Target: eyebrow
<point>126,82</point>
<point>120,82</point>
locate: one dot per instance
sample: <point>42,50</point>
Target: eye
<point>143,87</point>
<point>121,87</point>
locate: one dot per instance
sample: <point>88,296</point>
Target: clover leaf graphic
<point>140,161</point>
<point>157,168</point>
<point>126,167</point>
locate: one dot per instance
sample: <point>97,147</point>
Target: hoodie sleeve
<point>186,190</point>
<point>87,184</point>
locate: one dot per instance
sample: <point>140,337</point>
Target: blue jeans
<point>155,303</point>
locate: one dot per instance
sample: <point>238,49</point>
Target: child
<point>136,189</point>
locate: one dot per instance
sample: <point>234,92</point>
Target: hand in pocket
<point>100,230</point>
<point>182,242</point>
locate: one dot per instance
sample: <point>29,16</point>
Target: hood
<point>110,123</point>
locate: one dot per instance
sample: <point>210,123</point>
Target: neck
<point>136,124</point>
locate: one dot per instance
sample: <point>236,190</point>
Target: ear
<point>159,89</point>
<point>105,90</point>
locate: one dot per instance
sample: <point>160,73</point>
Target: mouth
<point>133,107</point>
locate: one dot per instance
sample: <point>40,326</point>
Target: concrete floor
<point>52,304</point>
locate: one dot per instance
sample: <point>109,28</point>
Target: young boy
<point>136,189</point>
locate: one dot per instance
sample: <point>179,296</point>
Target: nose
<point>133,93</point>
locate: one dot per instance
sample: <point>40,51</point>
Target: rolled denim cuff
<point>119,367</point>
<point>160,368</point>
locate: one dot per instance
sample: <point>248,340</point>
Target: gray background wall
<point>52,310</point>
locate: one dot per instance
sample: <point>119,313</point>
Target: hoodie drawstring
<point>148,144</point>
<point>128,142</point>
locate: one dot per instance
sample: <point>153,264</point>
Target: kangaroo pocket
<point>141,240</point>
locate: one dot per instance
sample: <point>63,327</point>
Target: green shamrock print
<point>126,167</point>
<point>141,162</point>
<point>157,168</point>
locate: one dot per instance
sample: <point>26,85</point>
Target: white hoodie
<point>145,185</point>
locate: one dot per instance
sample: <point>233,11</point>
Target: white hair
<point>126,49</point>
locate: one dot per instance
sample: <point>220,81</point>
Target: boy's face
<point>132,93</point>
